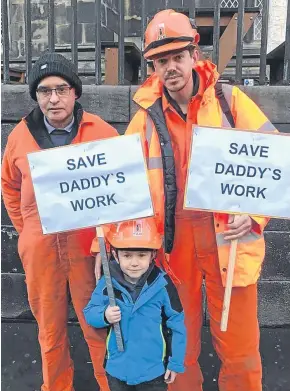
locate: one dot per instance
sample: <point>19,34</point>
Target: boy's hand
<point>169,376</point>
<point>113,314</point>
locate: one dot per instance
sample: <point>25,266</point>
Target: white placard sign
<point>240,172</point>
<point>90,184</point>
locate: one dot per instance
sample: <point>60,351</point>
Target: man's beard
<point>177,87</point>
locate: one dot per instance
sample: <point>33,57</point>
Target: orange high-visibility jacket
<point>17,187</point>
<point>204,110</point>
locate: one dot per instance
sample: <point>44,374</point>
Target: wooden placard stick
<point>107,275</point>
<point>229,284</point>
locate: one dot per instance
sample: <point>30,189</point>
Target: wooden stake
<point>107,275</point>
<point>229,283</point>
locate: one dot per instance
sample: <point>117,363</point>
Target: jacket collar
<point>152,88</point>
<point>149,277</point>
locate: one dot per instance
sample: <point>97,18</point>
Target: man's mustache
<point>171,74</point>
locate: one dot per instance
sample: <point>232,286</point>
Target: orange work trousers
<point>193,259</point>
<point>52,263</point>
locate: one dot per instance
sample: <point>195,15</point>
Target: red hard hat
<point>168,31</point>
<point>141,233</point>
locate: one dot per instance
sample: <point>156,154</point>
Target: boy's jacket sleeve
<point>94,312</point>
<point>175,321</point>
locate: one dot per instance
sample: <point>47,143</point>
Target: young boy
<point>148,308</point>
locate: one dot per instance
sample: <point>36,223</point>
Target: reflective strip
<point>228,90</point>
<point>154,162</point>
<point>163,343</point>
<point>267,127</point>
<point>225,122</point>
<point>250,237</point>
<point>149,130</point>
<point>107,342</point>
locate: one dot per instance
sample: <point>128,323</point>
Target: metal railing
<point>144,19</point>
<point>286,73</point>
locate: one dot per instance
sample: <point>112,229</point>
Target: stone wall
<point>277,23</point>
<point>62,20</point>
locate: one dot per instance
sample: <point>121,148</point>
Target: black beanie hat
<point>53,64</point>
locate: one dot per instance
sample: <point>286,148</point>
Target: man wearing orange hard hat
<point>180,93</point>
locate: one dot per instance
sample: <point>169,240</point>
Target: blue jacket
<point>144,356</point>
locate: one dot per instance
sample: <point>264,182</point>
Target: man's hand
<point>113,314</point>
<point>169,376</point>
<point>238,226</point>
<point>98,265</point>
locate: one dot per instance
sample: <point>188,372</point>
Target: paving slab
<point>21,364</point>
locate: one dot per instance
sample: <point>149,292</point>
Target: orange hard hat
<point>141,233</point>
<point>169,30</point>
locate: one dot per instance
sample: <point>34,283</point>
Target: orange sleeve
<point>259,224</point>
<point>11,189</point>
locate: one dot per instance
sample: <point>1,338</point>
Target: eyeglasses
<point>45,92</point>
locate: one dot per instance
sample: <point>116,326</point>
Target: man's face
<point>175,69</point>
<point>57,107</point>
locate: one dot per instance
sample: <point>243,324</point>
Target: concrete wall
<point>21,359</point>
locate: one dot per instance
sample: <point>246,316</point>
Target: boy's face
<point>134,263</point>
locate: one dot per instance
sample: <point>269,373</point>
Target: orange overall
<point>199,250</point>
<point>52,263</point>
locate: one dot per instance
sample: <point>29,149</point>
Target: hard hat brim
<point>166,48</point>
<point>126,244</point>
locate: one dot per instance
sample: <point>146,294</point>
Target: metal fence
<point>217,4</point>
